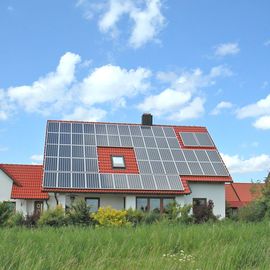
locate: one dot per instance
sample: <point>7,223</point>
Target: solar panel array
<point>200,139</point>
<point>71,159</point>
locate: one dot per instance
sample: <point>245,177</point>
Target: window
<point>118,162</point>
<point>93,203</point>
<point>153,204</point>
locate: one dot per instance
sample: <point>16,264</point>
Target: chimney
<point>147,119</point>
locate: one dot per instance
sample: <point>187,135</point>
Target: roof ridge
<point>18,164</point>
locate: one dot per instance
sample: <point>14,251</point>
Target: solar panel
<point>53,127</point>
<point>89,139</point>
<point>146,131</point>
<point>157,167</point>
<point>78,180</point>
<point>65,127</point>
<point>213,156</point>
<point>158,131</point>
<point>50,179</point>
<point>134,181</point>
<point>51,164</point>
<point>182,168</point>
<point>135,130</point>
<point>112,129</point>
<point>207,168</point>
<point>144,166</point>
<point>77,151</point>
<point>124,130</point>
<point>92,181</point>
<point>150,142</point>
<point>126,141</point>
<point>148,182</point>
<point>77,165</point>
<point>102,140</point>
<point>90,152</point>
<point>169,132</point>
<point>65,138</point>
<point>178,155</point>
<point>175,182</point>
<point>100,129</point>
<point>77,128</point>
<point>64,151</point>
<point>106,181</point>
<point>220,169</point>
<point>195,168</point>
<point>188,139</point>
<point>120,181</point>
<point>89,128</point>
<point>52,150</point>
<point>141,154</point>
<point>204,139</point>
<point>173,143</point>
<point>161,182</point>
<point>64,164</point>
<point>52,138</point>
<point>153,154</point>
<point>114,140</point>
<point>165,154</point>
<point>170,167</point>
<point>91,165</point>
<point>64,180</point>
<point>201,155</point>
<point>189,155</point>
<point>77,139</point>
<point>138,141</point>
<point>162,142</point>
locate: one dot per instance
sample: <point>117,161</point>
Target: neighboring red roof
<point>27,181</point>
<point>240,194</point>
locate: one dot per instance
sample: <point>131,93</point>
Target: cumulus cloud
<point>237,164</point>
<point>221,106</point>
<point>225,49</point>
<point>37,159</point>
<point>259,110</point>
<point>183,100</point>
<point>85,114</point>
<point>146,17</point>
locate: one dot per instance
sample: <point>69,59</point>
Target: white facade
<point>5,187</point>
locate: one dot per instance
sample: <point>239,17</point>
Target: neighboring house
<point>139,166</point>
<point>21,186</point>
<point>240,194</point>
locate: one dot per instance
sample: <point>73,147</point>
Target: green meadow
<point>157,246</point>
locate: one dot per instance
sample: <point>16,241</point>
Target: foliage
<point>107,216</point>
<point>152,217</point>
<point>135,217</point>
<point>252,212</point>
<point>5,212</point>
<point>79,213</point>
<point>53,217</point>
<point>179,213</point>
<point>16,219</point>
<point>204,213</point>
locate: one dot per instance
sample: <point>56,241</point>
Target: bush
<point>253,212</point>
<point>79,213</point>
<point>176,212</point>
<point>5,212</point>
<point>16,219</point>
<point>152,217</point>
<point>53,217</point>
<point>135,217</point>
<point>204,213</point>
<point>107,216</point>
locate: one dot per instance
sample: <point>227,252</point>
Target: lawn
<point>159,246</point>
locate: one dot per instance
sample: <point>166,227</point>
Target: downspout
<point>56,199</point>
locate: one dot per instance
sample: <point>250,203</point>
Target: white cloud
<point>259,110</point>
<point>183,100</point>
<point>49,93</point>
<point>225,49</point>
<point>37,159</point>
<point>146,17</point>
<point>267,43</point>
<point>237,164</point>
<point>112,83</point>
<point>221,106</point>
<point>3,149</point>
<point>84,114</point>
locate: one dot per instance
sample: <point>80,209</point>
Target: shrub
<point>135,217</point>
<point>53,217</point>
<point>5,212</point>
<point>152,217</point>
<point>253,212</point>
<point>16,219</point>
<point>178,213</point>
<point>31,220</point>
<point>79,213</point>
<point>107,216</point>
<point>204,213</point>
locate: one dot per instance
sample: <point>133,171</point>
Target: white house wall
<point>210,191</point>
<point>5,187</point>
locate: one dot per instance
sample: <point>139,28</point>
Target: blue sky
<point>188,62</point>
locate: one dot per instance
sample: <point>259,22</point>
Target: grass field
<point>219,246</point>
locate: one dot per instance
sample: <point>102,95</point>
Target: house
<point>240,194</point>
<point>140,166</point>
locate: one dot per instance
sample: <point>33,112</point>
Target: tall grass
<point>218,246</point>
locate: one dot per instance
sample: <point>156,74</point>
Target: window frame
<point>93,198</point>
<point>161,203</point>
<point>118,167</point>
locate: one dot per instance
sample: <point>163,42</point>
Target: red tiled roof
<point>27,181</point>
<point>105,163</point>
<point>207,178</point>
<point>240,194</point>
